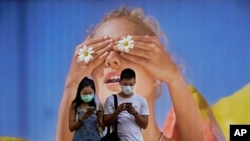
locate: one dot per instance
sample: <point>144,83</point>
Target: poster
<point>38,38</point>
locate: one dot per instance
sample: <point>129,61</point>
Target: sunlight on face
<point>106,76</point>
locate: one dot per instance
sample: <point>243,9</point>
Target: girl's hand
<point>150,53</point>
<point>99,114</point>
<point>101,46</point>
<point>87,114</point>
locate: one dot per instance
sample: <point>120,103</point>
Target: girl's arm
<point>74,123</point>
<point>62,132</point>
<point>188,117</point>
<point>78,70</point>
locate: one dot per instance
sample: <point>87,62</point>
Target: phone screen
<point>91,108</point>
<point>128,104</point>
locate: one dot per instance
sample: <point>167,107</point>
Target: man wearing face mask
<point>132,111</point>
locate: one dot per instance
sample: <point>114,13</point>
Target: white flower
<point>85,54</point>
<point>125,44</point>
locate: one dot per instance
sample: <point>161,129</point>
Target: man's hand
<point>120,108</point>
<point>131,109</point>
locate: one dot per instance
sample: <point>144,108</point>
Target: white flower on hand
<point>125,44</point>
<point>85,54</point>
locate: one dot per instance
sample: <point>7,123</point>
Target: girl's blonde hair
<point>148,24</point>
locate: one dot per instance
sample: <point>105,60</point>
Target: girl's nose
<point>113,60</point>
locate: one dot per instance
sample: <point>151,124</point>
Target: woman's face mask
<point>87,98</point>
<point>127,89</point>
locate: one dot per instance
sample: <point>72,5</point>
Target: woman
<point>152,64</point>
<point>82,117</point>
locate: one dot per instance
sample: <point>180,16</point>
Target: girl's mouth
<point>111,80</point>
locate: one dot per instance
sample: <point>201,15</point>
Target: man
<point>132,111</point>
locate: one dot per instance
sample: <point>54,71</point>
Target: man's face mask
<point>127,89</point>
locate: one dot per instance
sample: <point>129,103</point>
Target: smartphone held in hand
<point>128,104</point>
<point>91,108</point>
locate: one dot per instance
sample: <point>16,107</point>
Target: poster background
<point>38,37</point>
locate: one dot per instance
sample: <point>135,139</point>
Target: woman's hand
<point>87,114</point>
<point>99,115</point>
<point>149,53</point>
<point>101,46</point>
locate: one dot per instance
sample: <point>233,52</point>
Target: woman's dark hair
<point>85,82</point>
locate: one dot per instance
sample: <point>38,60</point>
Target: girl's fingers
<point>140,53</point>
<point>104,49</point>
<point>142,45</point>
<point>135,59</point>
<point>104,55</point>
<point>91,41</point>
<point>99,45</point>
<point>101,53</point>
<point>97,61</point>
<point>147,39</point>
<point>95,40</point>
<point>144,50</point>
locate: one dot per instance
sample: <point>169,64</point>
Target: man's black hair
<point>127,74</point>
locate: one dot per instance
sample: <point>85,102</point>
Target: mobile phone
<point>91,108</point>
<point>128,104</point>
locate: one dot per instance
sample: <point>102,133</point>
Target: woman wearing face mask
<point>82,117</point>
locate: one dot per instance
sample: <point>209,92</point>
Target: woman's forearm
<point>75,125</point>
<point>188,116</point>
